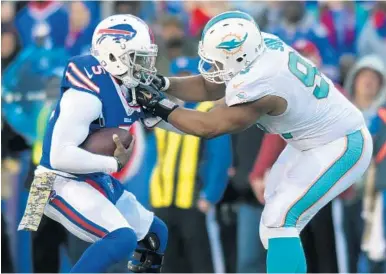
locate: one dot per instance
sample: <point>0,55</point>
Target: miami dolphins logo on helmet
<point>118,32</point>
<point>232,43</point>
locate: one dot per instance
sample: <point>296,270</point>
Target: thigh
<point>83,210</point>
<point>138,217</point>
<point>314,178</point>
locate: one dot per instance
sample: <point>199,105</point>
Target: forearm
<point>73,159</point>
<point>77,111</point>
<point>195,88</point>
<point>194,123</point>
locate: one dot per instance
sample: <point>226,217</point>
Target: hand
<point>162,83</point>
<point>153,100</point>
<point>258,187</point>
<point>121,153</point>
<point>231,172</point>
<point>203,205</point>
<point>148,96</point>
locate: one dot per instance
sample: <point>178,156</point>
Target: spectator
<point>201,12</point>
<point>189,177</point>
<point>298,24</point>
<point>374,241</point>
<point>81,28</point>
<point>24,82</point>
<point>364,84</point>
<point>127,7</point>
<point>343,22</point>
<point>311,52</point>
<point>173,43</point>
<point>372,40</point>
<point>51,14</point>
<point>9,45</point>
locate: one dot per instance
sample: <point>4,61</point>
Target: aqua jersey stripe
<point>223,16</point>
<point>350,157</point>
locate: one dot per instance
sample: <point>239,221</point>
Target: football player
<point>82,196</point>
<point>267,83</point>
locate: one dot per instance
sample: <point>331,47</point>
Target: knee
<point>275,232</point>
<point>123,238</point>
<point>159,228</point>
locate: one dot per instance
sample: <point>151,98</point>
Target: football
<point>101,141</point>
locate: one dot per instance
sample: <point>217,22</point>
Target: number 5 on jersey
<point>308,76</point>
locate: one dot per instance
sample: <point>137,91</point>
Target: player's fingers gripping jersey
<point>302,182</point>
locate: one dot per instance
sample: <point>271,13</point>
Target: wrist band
<point>119,164</point>
<point>166,84</point>
<point>164,108</point>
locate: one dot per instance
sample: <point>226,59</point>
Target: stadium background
<point>342,38</point>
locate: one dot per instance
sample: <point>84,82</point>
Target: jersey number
<point>307,75</point>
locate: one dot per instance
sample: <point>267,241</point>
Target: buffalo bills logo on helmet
<point>118,32</point>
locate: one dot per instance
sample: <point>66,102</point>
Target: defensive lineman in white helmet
<point>267,83</point>
<point>79,191</point>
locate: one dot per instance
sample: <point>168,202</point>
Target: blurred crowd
<point>209,193</point>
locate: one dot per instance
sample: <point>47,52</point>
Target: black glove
<point>154,101</point>
<point>161,82</point>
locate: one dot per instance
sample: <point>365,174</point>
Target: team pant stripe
<point>76,218</point>
<point>350,157</point>
<point>83,78</point>
<point>75,82</point>
<point>96,186</point>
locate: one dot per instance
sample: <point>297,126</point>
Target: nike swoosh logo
<point>237,85</point>
<point>88,74</point>
<point>147,95</point>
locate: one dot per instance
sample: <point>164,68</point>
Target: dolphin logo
<point>232,44</point>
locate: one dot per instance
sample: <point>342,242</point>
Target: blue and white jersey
<point>85,74</point>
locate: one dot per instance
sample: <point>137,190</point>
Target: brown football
<point>101,141</point>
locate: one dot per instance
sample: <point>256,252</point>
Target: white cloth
<point>94,212</point>
<point>302,182</point>
<point>312,122</point>
<point>375,247</point>
<point>77,111</point>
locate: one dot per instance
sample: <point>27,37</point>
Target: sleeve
<point>79,75</point>
<point>271,148</point>
<point>77,111</point>
<point>218,159</point>
<point>241,92</point>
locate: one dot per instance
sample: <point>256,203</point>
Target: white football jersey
<point>317,113</point>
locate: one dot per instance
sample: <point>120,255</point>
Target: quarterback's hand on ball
<point>122,154</point>
<point>153,100</point>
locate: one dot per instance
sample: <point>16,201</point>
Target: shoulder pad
<point>83,73</point>
<point>244,89</point>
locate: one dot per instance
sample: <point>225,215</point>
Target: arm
<point>218,158</point>
<point>166,126</point>
<point>195,88</point>
<point>77,111</point>
<point>220,120</point>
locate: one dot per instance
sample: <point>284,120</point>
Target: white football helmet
<point>230,42</point>
<point>124,46</point>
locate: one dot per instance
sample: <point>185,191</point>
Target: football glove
<point>162,83</point>
<point>154,101</point>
